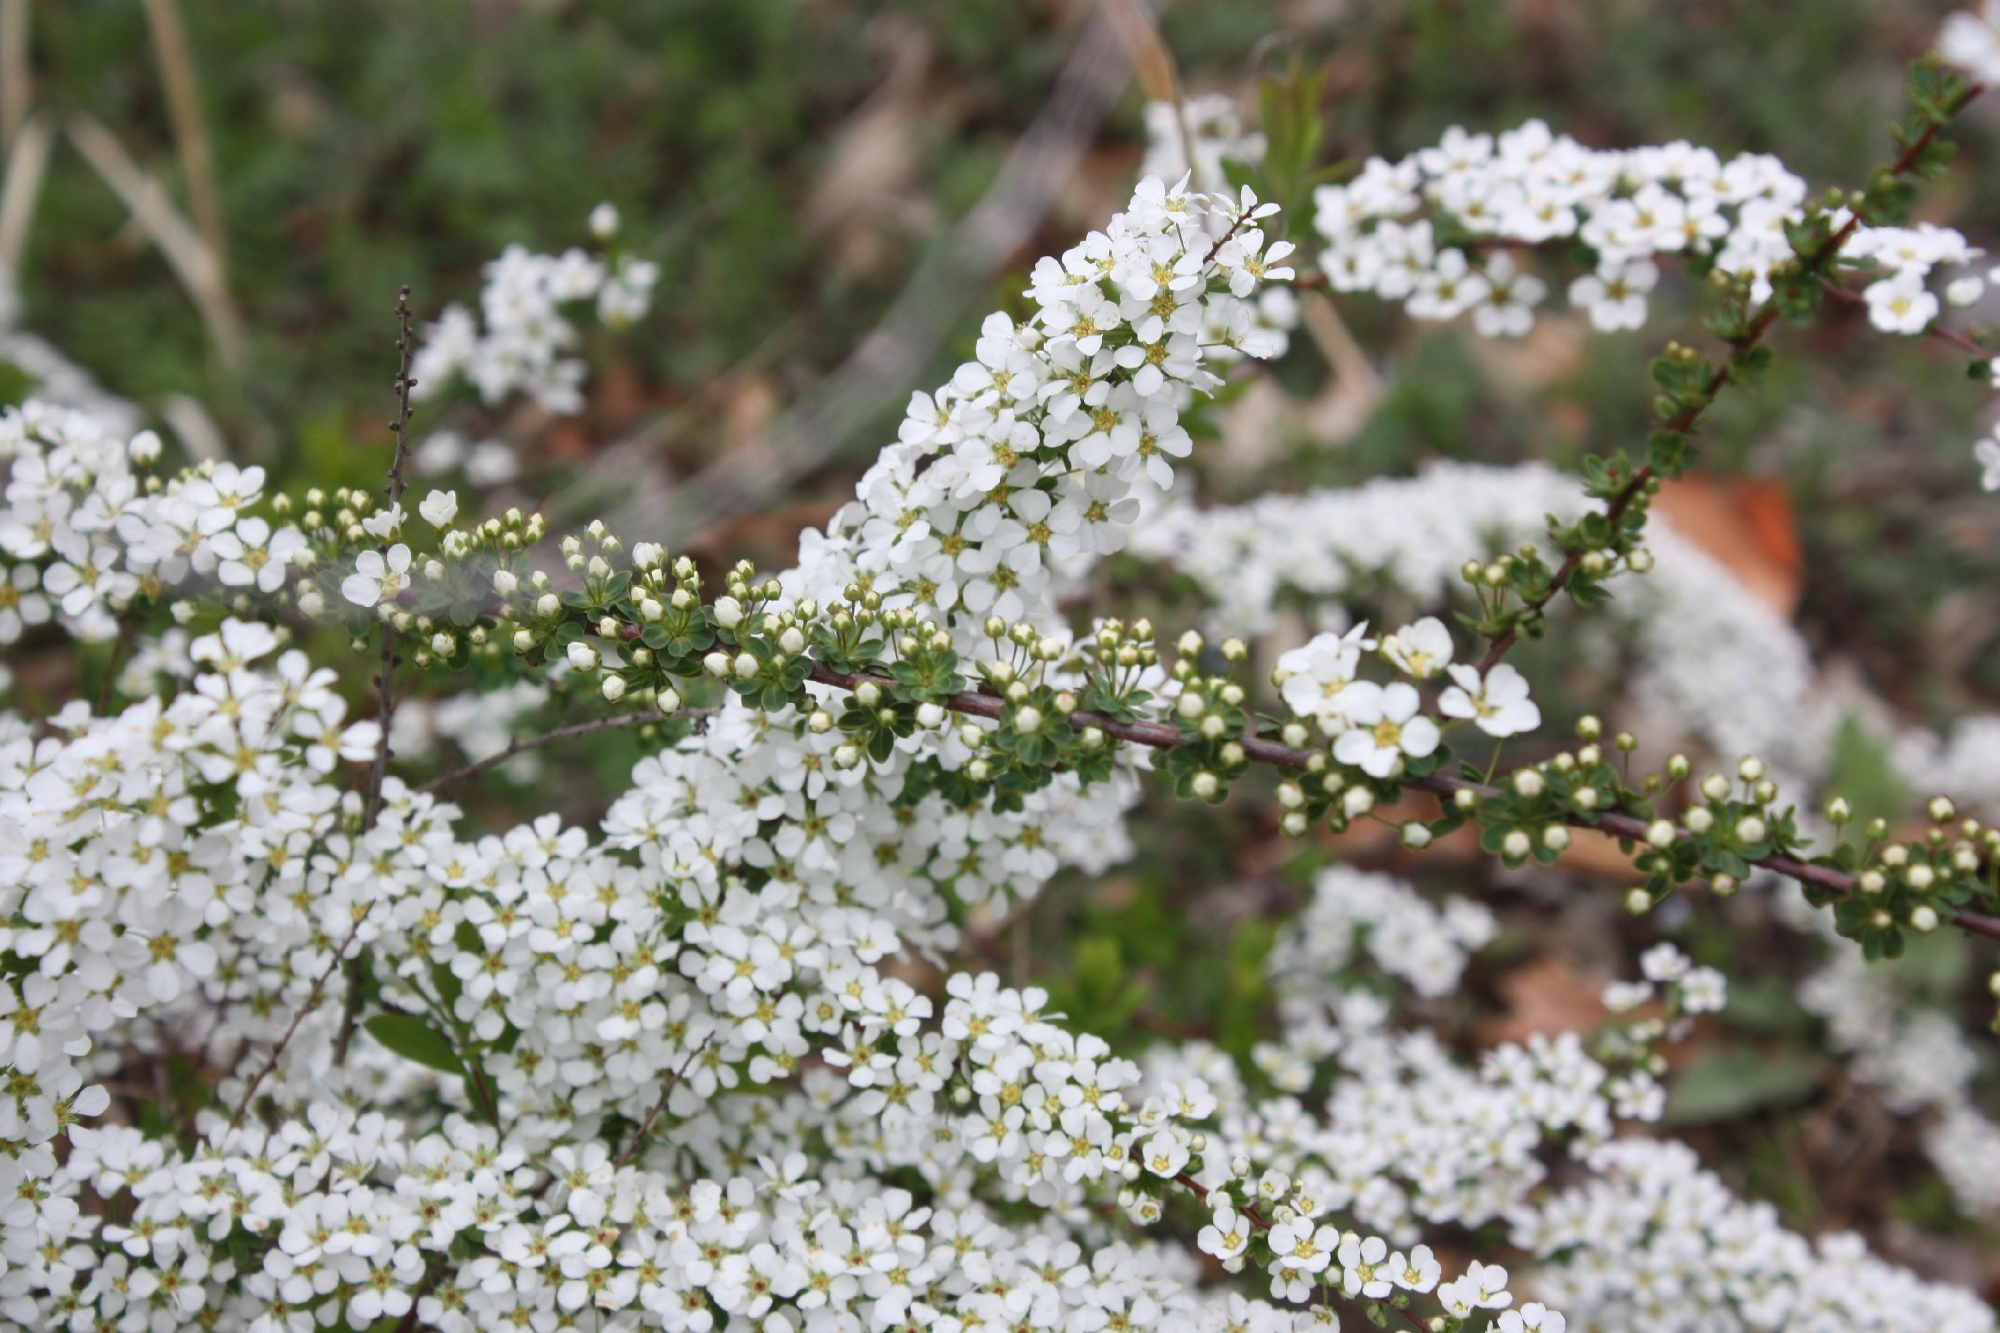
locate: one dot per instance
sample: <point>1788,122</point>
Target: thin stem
<point>311,1003</point>
<point>569,732</point>
<point>1160,736</point>
<point>1685,421</point>
<point>385,688</point>
<point>666,1091</point>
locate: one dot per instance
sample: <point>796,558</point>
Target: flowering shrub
<point>681,1070</point>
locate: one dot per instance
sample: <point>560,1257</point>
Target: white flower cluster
<point>1444,231</point>
<point>1691,989</point>
<point>1711,657</point>
<point>1210,123</point>
<point>1403,933</point>
<point>83,533</point>
<point>520,341</point>
<point>1657,1244</point>
<point>1919,1059</point>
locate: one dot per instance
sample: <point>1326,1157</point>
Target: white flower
<point>1622,997</point>
<point>1386,727</point>
<point>604,221</point>
<point>1364,1270</point>
<point>439,508</point>
<point>1227,1237</point>
<point>377,578</point>
<point>384,523</point>
<point>1420,650</point>
<point>1900,303</point>
<point>1615,295</point>
<point>1987,451</point>
<point>1499,705</point>
<point>252,554</point>
<point>1320,683</point>
<point>1704,991</point>
<point>1971,41</point>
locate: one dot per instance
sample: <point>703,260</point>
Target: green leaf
<point>1737,1082</point>
<point>415,1039</point>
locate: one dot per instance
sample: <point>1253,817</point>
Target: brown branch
<point>190,138</point>
<point>311,1002</point>
<point>1950,337</point>
<point>1160,736</point>
<point>385,689</point>
<point>666,1091</point>
<point>1684,422</point>
<point>569,732</point>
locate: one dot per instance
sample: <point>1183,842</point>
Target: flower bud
<point>930,716</point>
<point>650,611</point>
<point>819,721</point>
<point>1213,726</point>
<point>1638,902</point>
<point>1516,845</point>
<point>746,667</point>
<point>716,664</point>
<point>1838,811</point>
<point>1699,820</point>
<point>1639,560</point>
<point>847,756</point>
<point>1584,798</point>
<point>1232,694</point>
<point>1941,809</point>
<point>1416,835</point>
<point>1871,882</point>
<point>1555,837</point>
<point>1660,833</point>
<point>1295,735</point>
<point>548,604</point>
<point>1923,918</point>
<point>614,689</point>
<point>505,583</point>
<point>1290,795</point>
<point>1722,885</point>
<point>1465,798</point>
<point>868,694</point>
<point>668,700</point>
<point>1205,785</point>
<point>1750,829</point>
<point>972,736</point>
<point>1092,737</point>
<point>1190,705</point>
<point>582,656</point>
<point>1357,801</point>
<point>1234,650</point>
<point>978,770</point>
<point>1677,767</point>
<point>1715,787</point>
<point>1589,727</point>
<point>1589,756</point>
<point>792,641</point>
<point>1189,643</point>
<point>728,612</point>
<point>1750,768</point>
<point>523,640</point>
<point>1528,784</point>
<point>1920,877</point>
<point>1028,720</point>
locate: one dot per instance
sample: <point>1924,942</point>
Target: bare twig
<point>1160,736</point>
<point>311,1002</point>
<point>406,347</point>
<point>385,687</point>
<point>27,163</point>
<point>196,266</point>
<point>17,92</point>
<point>953,273</point>
<point>646,1126</point>
<point>190,137</point>
<point>569,732</point>
<point>1684,422</point>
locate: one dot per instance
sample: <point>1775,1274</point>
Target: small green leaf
<point>415,1039</point>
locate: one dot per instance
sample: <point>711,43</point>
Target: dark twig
<point>385,689</point>
<point>1160,736</point>
<point>667,1090</point>
<point>311,1003</point>
<point>1684,422</point>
